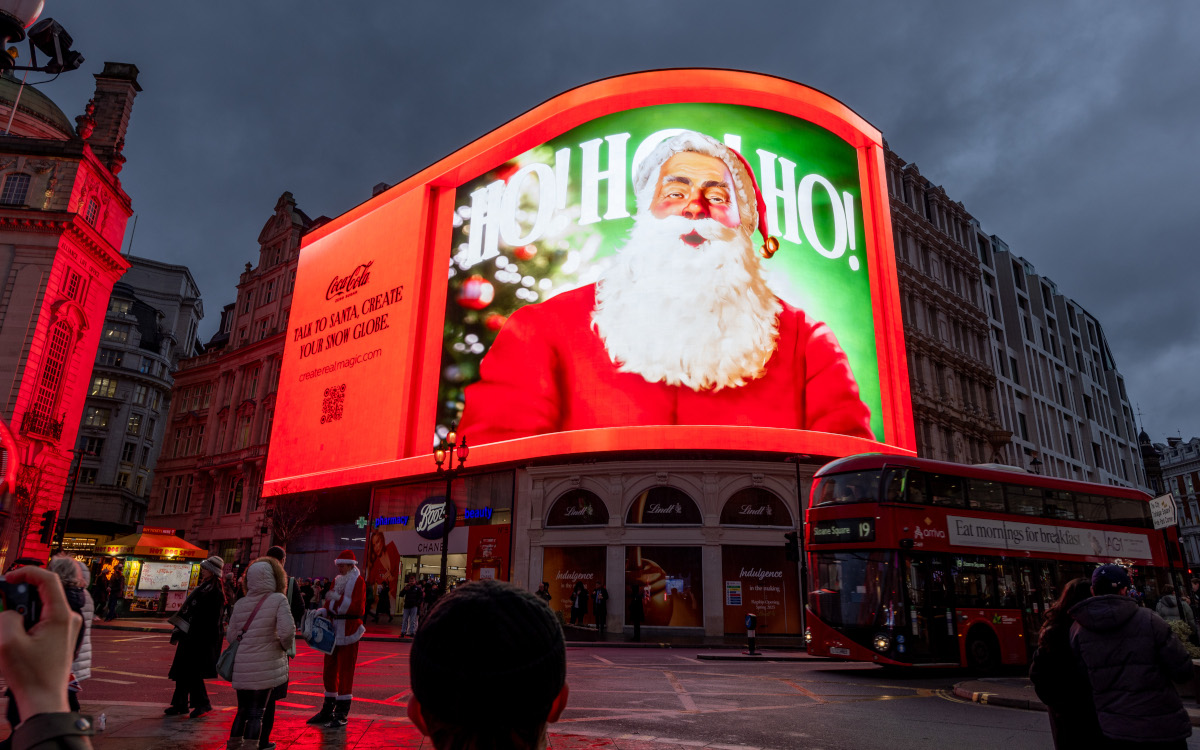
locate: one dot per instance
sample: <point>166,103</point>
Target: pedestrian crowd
<point>1105,664</point>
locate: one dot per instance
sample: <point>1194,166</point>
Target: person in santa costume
<point>681,329</point>
<point>346,605</point>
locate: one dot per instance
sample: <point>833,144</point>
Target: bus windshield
<point>852,487</point>
<point>856,589</point>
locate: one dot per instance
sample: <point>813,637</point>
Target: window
<point>243,431</point>
<point>945,490</point>
<point>1091,508</point>
<point>252,383</point>
<point>145,455</point>
<point>180,446</point>
<point>1128,512</point>
<point>273,381</point>
<point>207,396</point>
<point>74,286</point>
<point>102,386</point>
<point>1025,500</point>
<point>16,187</point>
<point>110,358</point>
<point>139,485</point>
<point>150,429</point>
<point>852,487</point>
<point>87,475</point>
<point>94,417</point>
<point>178,485</point>
<point>116,333</point>
<point>1016,376</point>
<point>269,291</point>
<point>267,422</point>
<point>93,211</point>
<point>987,496</point>
<point>123,479</point>
<point>128,451</point>
<point>134,427</point>
<point>187,494</point>
<point>198,445</point>
<point>93,445</point>
<point>57,348</point>
<point>262,328</point>
<point>139,395</point>
<point>233,501</point>
<point>1060,505</point>
<point>146,366</point>
<point>243,334</point>
<point>1023,426</point>
<point>119,306</point>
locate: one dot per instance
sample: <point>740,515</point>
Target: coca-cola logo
<point>657,509</point>
<point>342,285</point>
<point>760,573</point>
<point>431,514</point>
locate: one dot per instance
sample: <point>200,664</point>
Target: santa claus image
<point>346,605</point>
<point>682,329</point>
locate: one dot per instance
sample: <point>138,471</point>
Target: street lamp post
<point>803,504</point>
<point>446,452</point>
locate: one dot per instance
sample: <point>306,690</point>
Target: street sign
<point>1162,510</point>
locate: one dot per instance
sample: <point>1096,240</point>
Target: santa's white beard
<point>701,317</point>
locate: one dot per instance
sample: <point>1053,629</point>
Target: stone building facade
<point>151,324</point>
<point>945,324</point>
<point>1058,386</point>
<point>63,214</point>
<point>1180,462</point>
<point>208,482</point>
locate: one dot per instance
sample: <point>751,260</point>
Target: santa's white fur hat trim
<point>646,178</point>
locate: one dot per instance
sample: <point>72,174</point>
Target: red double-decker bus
<point>925,563</point>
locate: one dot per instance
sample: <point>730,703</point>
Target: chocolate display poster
<point>769,587</point>
<point>563,567</point>
<point>671,585</point>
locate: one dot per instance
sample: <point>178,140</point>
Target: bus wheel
<point>983,650</point>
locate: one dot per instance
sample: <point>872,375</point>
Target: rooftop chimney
<point>116,86</point>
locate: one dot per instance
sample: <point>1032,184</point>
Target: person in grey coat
<point>1131,657</point>
<point>1173,607</point>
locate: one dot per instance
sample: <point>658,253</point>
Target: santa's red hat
<point>751,205</point>
<point>346,558</point>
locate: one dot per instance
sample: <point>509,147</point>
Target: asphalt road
<point>649,697</point>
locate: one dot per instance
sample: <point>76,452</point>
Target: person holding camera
<point>199,643</point>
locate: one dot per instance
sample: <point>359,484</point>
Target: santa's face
<point>696,186</point>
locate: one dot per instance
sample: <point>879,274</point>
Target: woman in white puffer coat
<point>260,669</point>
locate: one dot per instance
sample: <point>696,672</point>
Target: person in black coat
<point>579,603</point>
<point>637,610</point>
<point>198,649</point>
<point>600,608</point>
<point>1058,677</point>
<point>1131,657</point>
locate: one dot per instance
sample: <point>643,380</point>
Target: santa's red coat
<point>548,371</point>
<point>352,603</point>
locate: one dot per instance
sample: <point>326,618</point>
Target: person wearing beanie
<point>498,649</point>
<point>198,649</point>
<point>1131,657</point>
<point>724,349</point>
<point>346,605</point>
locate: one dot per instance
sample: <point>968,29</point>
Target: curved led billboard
<point>678,259</point>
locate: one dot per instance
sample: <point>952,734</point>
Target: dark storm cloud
<point>1068,129</point>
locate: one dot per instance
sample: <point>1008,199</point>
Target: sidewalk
<point>140,726</point>
<point>576,636</point>
<point>1017,692</point>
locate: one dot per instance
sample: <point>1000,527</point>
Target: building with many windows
<point>945,324</point>
<point>151,325</point>
<point>63,213</point>
<point>1058,386</point>
<point>209,477</point>
<point>1180,462</point>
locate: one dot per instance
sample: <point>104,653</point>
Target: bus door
<point>930,589</point>
<point>1038,592</point>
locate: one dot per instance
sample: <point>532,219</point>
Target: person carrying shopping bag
<point>263,621</point>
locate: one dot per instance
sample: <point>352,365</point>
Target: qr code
<point>331,406</point>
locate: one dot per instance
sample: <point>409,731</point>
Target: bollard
<point>162,601</point>
<point>751,625</point>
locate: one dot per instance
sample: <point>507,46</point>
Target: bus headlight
<point>882,642</point>
<point>807,635</point>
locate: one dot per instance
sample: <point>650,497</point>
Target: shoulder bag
<point>225,661</point>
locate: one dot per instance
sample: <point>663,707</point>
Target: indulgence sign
<point>697,259</point>
<point>1018,536</point>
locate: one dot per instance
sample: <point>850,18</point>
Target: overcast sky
<point>1068,129</point>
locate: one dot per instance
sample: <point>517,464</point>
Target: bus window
<point>853,487</point>
<point>987,496</point>
<point>974,583</point>
<point>857,589</point>
<point>1060,505</point>
<point>1127,512</point>
<point>916,488</point>
<point>945,490</point>
<point>894,483</point>
<point>1025,500</point>
<point>1091,508</point>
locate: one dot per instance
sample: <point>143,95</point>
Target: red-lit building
<point>62,224</point>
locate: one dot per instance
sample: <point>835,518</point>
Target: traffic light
<point>791,548</point>
<point>48,519</point>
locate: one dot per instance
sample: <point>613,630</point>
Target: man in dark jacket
<point>1131,656</point>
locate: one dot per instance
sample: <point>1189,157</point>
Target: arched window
<point>16,188</point>
<point>754,506</point>
<point>54,364</point>
<point>664,505</point>
<point>577,508</point>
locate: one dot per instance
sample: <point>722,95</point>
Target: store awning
<point>152,543</point>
